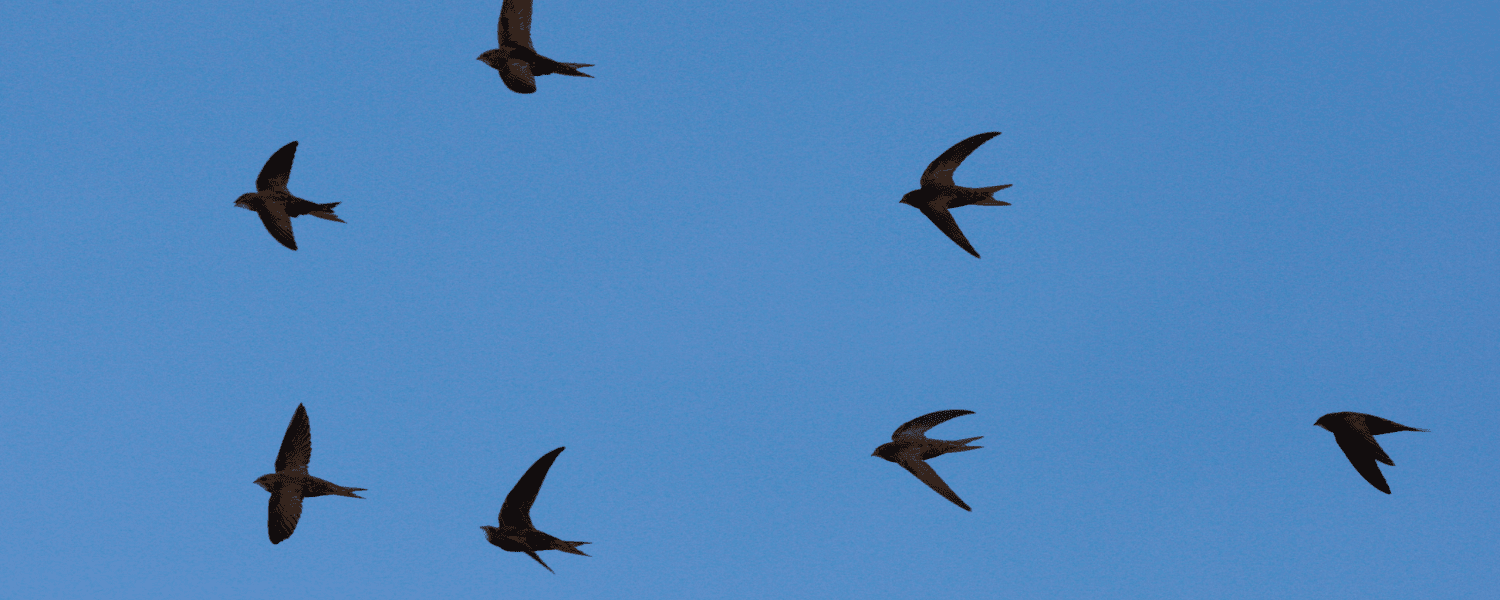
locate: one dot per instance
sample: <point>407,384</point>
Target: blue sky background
<point>693,272</point>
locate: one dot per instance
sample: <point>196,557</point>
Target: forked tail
<point>962,448</point>
<point>325,211</point>
<point>572,69</point>
<point>570,547</point>
<point>990,193</point>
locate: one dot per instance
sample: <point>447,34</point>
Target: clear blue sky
<point>692,271</point>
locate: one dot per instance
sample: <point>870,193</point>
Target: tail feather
<point>570,547</point>
<point>572,69</point>
<point>325,211</point>
<point>991,201</point>
<point>961,447</point>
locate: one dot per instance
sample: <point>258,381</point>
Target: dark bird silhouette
<point>515,533</point>
<point>910,448</point>
<point>939,193</point>
<point>275,205</point>
<point>515,59</point>
<point>291,483</point>
<point>1355,433</point>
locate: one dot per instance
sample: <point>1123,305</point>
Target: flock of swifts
<point>519,64</point>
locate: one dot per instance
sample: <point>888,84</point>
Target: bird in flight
<point>275,205</point>
<point>939,193</point>
<point>516,533</point>
<point>515,59</point>
<point>911,448</point>
<point>291,483</point>
<point>1355,433</point>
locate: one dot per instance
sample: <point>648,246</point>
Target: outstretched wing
<point>285,511</point>
<point>516,512</point>
<point>517,76</point>
<point>919,467</point>
<point>917,428</point>
<point>296,445</point>
<point>1362,453</point>
<point>278,169</point>
<point>940,172</point>
<point>944,221</point>
<point>274,217</point>
<point>539,560</point>
<point>515,23</point>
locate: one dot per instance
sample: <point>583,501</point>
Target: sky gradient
<point>693,272</point>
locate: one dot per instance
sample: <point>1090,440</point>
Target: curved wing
<point>296,445</point>
<point>516,512</point>
<point>274,217</point>
<point>917,428</point>
<point>940,172</point>
<point>515,23</point>
<point>944,221</point>
<point>517,76</point>
<point>278,169</point>
<point>285,511</point>
<point>1363,453</point>
<point>919,467</point>
<point>538,560</point>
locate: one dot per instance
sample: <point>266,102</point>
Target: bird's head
<point>1326,420</point>
<point>245,201</point>
<point>494,58</point>
<point>912,197</point>
<point>887,451</point>
<point>267,482</point>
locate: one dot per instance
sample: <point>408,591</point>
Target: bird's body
<point>1355,434</point>
<point>911,448</point>
<point>516,533</point>
<point>291,482</point>
<point>938,193</point>
<point>516,59</point>
<point>275,204</point>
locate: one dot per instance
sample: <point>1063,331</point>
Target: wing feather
<point>517,76</point>
<point>515,23</point>
<point>277,170</point>
<point>920,468</point>
<point>945,223</point>
<point>917,428</point>
<point>940,172</point>
<point>516,512</point>
<point>296,445</point>
<point>274,217</point>
<point>1362,453</point>
<point>284,512</point>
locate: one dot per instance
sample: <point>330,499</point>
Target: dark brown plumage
<point>516,533</point>
<point>911,448</point>
<point>939,193</point>
<point>516,59</point>
<point>1355,434</point>
<point>275,204</point>
<point>291,483</point>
